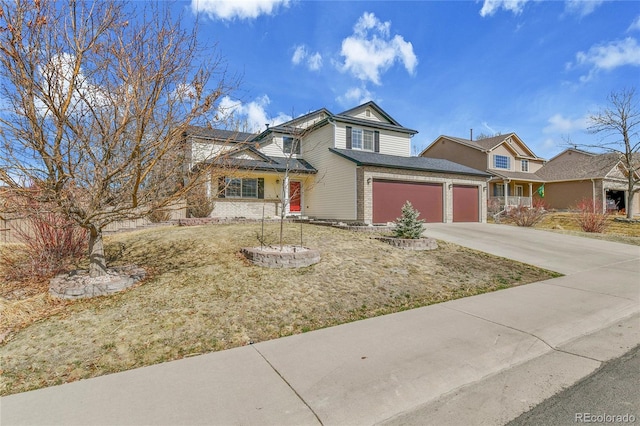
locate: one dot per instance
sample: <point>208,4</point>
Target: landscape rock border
<point>410,244</point>
<point>78,284</point>
<point>287,257</point>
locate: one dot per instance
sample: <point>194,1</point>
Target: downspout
<point>593,194</point>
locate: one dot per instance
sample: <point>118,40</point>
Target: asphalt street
<point>608,395</point>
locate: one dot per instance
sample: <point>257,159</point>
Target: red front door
<point>295,189</point>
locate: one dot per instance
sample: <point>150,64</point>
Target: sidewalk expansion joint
<point>552,283</point>
<point>288,384</point>
<point>553,348</point>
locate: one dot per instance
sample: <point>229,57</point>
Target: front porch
<point>506,194</point>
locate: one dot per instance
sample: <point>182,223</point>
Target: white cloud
<point>489,128</point>
<point>302,56</point>
<point>581,7</point>
<point>609,56</point>
<point>355,96</point>
<point>370,51</point>
<point>241,9</point>
<point>315,62</point>
<point>635,25</point>
<point>251,116</point>
<point>492,6</point>
<point>563,125</point>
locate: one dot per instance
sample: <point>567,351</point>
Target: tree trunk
<point>97,261</point>
<point>629,205</point>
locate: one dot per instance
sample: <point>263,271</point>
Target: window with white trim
<point>241,188</point>
<point>524,165</point>
<point>362,139</point>
<point>290,145</point>
<point>498,190</point>
<point>501,162</point>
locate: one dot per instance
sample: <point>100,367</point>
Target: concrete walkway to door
<point>479,360</point>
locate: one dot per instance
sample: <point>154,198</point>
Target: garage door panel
<point>390,196</point>
<point>466,203</point>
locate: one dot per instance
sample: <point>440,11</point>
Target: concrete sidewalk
<point>479,360</point>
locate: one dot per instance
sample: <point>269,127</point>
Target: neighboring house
<point>352,166</point>
<point>575,175</point>
<point>507,158</point>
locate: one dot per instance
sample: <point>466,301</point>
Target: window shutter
<point>261,188</point>
<point>348,137</point>
<point>221,186</point>
<point>376,141</point>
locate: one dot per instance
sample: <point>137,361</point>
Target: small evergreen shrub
<point>408,225</point>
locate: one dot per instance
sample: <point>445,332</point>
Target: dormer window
<point>290,145</point>
<point>524,165</point>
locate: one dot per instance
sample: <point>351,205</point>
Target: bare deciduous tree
<point>95,98</point>
<point>618,124</point>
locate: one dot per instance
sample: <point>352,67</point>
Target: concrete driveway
<point>479,360</point>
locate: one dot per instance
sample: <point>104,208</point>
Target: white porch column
<point>531,192</point>
<point>506,193</point>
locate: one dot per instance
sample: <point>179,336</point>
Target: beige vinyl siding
<point>391,143</point>
<point>332,195</point>
<point>310,121</point>
<point>460,154</point>
<point>203,151</point>
<point>395,143</point>
<point>273,148</point>
<point>373,115</point>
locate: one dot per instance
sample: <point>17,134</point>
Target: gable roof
<point>573,164</point>
<point>231,136</point>
<point>366,158</point>
<point>372,105</point>
<point>485,145</point>
<point>326,116</point>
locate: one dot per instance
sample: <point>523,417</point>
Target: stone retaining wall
<point>411,244</point>
<point>282,259</point>
<point>78,284</point>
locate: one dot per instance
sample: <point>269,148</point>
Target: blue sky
<point>537,68</point>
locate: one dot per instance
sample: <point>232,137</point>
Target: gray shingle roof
<point>530,177</point>
<point>276,164</point>
<point>220,134</point>
<point>366,158</point>
<point>578,165</point>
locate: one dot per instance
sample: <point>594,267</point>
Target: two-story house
<point>351,166</point>
<point>506,157</point>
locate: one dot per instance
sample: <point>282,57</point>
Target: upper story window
<point>362,139</point>
<point>290,145</point>
<point>501,162</point>
<point>524,165</point>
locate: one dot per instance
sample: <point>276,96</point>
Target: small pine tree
<point>408,225</point>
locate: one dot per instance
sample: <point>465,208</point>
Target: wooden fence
<point>9,225</point>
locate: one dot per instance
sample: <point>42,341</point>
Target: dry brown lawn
<point>623,232</point>
<point>202,296</point>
